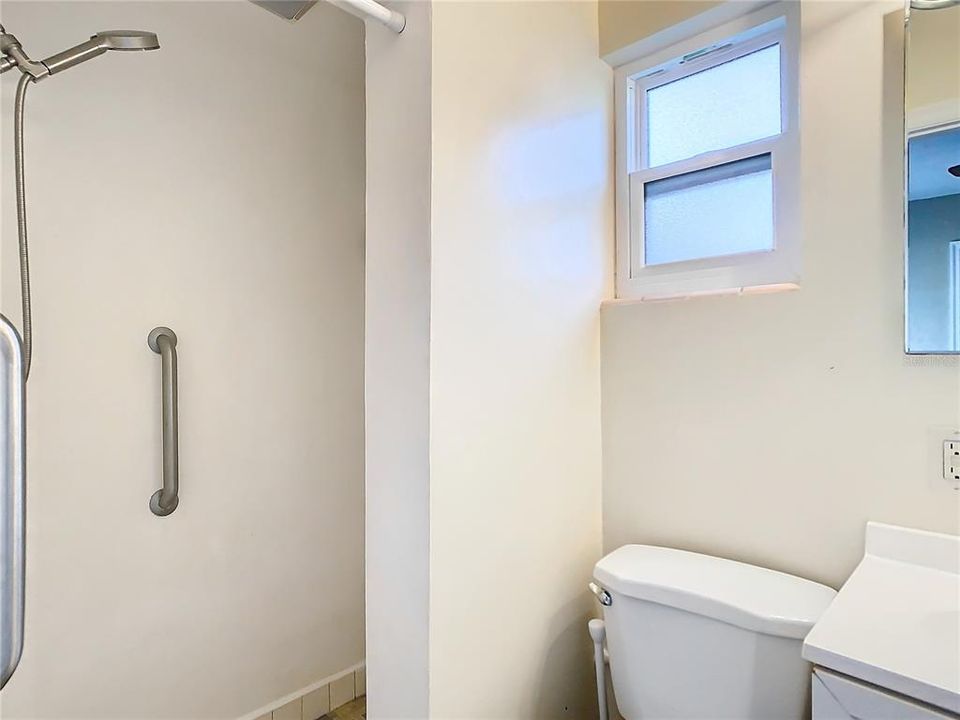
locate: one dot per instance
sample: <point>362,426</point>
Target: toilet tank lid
<point>748,596</point>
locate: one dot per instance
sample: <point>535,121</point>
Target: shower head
<point>128,40</point>
<point>99,44</point>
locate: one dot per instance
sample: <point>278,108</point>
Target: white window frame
<point>777,23</point>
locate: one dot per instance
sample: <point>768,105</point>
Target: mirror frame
<point>909,7</point>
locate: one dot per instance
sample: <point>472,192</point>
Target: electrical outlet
<point>951,460</point>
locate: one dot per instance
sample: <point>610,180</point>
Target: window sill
<point>754,290</point>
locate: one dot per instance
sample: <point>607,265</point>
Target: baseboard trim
<point>280,702</point>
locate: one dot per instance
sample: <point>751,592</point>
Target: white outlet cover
<point>933,467</point>
<point>950,466</point>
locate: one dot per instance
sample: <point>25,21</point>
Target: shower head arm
<point>74,56</point>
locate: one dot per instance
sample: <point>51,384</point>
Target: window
<point>708,162</point>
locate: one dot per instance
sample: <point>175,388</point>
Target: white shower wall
<point>215,186</point>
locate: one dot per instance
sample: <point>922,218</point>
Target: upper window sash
<point>642,81</point>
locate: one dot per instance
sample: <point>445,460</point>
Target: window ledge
<point>649,299</point>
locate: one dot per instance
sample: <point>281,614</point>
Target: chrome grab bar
<point>163,340</point>
<point>13,516</point>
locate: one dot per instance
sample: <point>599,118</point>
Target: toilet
<point>698,637</point>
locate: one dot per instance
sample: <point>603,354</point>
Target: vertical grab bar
<point>163,340</point>
<point>13,490</point>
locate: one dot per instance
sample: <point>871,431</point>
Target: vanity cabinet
<point>837,697</point>
<point>886,647</point>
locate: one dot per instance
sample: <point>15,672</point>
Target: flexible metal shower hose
<point>25,80</point>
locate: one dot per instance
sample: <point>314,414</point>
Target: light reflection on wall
<point>546,174</point>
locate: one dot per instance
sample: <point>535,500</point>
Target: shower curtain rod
<point>374,10</point>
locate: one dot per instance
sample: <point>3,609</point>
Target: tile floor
<point>346,695</point>
<point>355,710</point>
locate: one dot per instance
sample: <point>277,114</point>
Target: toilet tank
<point>693,636</point>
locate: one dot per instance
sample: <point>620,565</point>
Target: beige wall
<point>623,22</point>
<point>522,212</point>
<point>771,428</point>
<point>515,158</point>
<point>217,189</point>
<point>933,63</point>
<point>398,366</point>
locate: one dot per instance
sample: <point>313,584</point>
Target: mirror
<point>932,112</point>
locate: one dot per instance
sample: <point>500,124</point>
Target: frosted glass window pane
<point>727,105</point>
<point>723,210</point>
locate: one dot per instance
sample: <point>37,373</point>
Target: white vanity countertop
<point>896,622</point>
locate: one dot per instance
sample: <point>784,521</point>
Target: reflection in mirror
<point>933,177</point>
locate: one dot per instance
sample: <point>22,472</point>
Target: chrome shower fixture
<point>19,349</point>
<point>14,55</point>
<point>124,40</point>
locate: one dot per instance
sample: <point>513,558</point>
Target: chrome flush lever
<point>603,597</point>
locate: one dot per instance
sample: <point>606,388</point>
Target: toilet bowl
<point>702,638</point>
